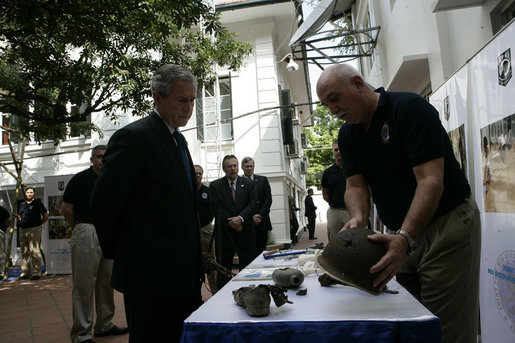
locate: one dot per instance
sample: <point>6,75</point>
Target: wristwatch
<point>412,245</point>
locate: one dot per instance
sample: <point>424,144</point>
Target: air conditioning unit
<point>292,150</point>
<point>304,164</point>
<point>295,118</point>
<point>303,140</point>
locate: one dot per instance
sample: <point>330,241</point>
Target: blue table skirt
<point>314,332</point>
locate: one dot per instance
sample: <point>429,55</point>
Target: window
<point>207,121</point>
<point>5,134</point>
<point>7,122</point>
<point>502,14</point>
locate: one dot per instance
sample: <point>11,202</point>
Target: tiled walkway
<point>41,311</point>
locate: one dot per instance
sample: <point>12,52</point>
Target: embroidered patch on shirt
<point>385,133</point>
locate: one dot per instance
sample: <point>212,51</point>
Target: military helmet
<point>349,256</point>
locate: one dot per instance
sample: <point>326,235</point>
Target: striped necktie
<point>233,192</point>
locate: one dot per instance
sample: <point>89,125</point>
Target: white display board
<point>480,98</point>
<point>492,107</point>
<point>451,102</point>
<point>56,233</point>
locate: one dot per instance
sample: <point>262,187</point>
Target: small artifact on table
<point>349,256</point>
<point>288,277</point>
<point>257,299</point>
<point>302,291</point>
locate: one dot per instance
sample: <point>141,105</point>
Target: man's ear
<point>157,97</point>
<point>357,81</point>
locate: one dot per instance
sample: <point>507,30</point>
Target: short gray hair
<point>97,147</point>
<point>247,159</point>
<point>164,78</point>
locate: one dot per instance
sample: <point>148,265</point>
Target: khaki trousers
<point>444,271</point>
<point>336,219</point>
<point>30,241</point>
<point>91,278</point>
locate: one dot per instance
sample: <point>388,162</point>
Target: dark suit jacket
<point>145,212</point>
<point>224,206</point>
<point>310,207</point>
<point>264,194</point>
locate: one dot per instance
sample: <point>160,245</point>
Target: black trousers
<point>158,319</point>
<point>261,239</point>
<point>311,226</point>
<point>227,243</point>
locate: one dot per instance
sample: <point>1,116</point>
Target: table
<point>326,314</point>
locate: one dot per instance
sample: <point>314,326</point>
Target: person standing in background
<point>32,214</point>
<point>333,192</point>
<point>207,243</point>
<point>310,213</point>
<point>233,200</point>
<point>91,272</point>
<point>262,223</point>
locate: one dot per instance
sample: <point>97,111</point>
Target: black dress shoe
<point>35,277</point>
<point>115,330</point>
<point>24,277</point>
<point>312,238</point>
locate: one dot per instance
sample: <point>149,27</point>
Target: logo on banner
<point>504,67</point>
<point>446,110</point>
<point>504,287</point>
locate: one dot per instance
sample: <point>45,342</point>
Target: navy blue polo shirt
<point>31,213</point>
<point>405,132</point>
<point>78,191</point>
<point>334,180</point>
<point>204,210</point>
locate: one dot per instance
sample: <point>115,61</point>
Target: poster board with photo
<point>56,233</point>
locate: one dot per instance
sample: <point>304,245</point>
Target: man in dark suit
<point>310,213</point>
<point>261,219</point>
<point>233,200</point>
<point>144,208</point>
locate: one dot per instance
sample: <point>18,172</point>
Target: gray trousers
<point>206,232</point>
<point>336,219</point>
<point>444,271</point>
<point>91,277</point>
<point>30,241</point>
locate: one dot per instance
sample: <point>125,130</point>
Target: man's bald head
<point>341,73</point>
<point>346,94</point>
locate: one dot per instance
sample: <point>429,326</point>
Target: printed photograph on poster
<point>54,205</point>
<point>498,166</point>
<point>59,229</point>
<point>457,137</point>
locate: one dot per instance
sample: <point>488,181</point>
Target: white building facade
<point>241,116</point>
<point>422,43</point>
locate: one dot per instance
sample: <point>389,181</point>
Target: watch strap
<point>412,244</point>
